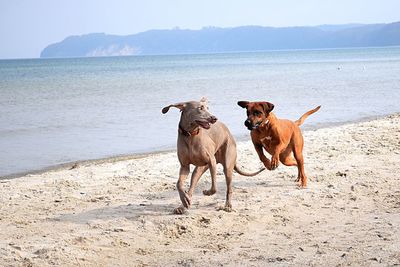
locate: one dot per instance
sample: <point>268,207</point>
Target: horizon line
<point>210,53</point>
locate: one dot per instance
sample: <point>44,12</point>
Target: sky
<point>28,26</point>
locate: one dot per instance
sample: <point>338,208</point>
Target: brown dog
<point>203,141</point>
<point>278,137</point>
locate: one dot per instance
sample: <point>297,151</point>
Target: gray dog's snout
<point>213,119</point>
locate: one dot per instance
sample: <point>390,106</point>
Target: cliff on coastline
<point>215,40</point>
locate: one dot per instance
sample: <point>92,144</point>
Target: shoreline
<point>123,157</point>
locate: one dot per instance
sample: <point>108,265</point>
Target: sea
<point>57,111</point>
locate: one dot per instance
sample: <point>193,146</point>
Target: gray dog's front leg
<point>197,173</point>
<point>185,199</point>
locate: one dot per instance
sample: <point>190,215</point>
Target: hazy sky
<point>28,26</point>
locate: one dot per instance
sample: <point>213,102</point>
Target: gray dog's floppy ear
<point>243,104</point>
<point>268,107</point>
<point>180,106</point>
<point>204,100</point>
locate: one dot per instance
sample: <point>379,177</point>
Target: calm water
<point>54,111</point>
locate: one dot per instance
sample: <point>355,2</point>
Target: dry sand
<point>120,213</point>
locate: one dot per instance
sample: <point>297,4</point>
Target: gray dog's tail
<point>236,168</point>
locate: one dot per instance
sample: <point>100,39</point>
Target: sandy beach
<point>120,213</point>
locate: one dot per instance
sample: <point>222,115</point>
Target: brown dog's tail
<point>308,113</point>
<point>236,168</point>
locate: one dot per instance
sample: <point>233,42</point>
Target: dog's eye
<point>256,113</point>
<point>201,108</point>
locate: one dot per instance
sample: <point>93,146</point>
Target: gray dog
<point>203,141</point>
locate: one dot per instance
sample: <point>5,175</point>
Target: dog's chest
<point>194,154</point>
<point>198,157</point>
<point>266,142</point>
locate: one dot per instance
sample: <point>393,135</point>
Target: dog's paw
<point>302,185</point>
<point>274,163</point>
<point>225,208</point>
<point>180,210</point>
<point>228,207</point>
<point>267,164</point>
<point>209,192</point>
<point>185,199</point>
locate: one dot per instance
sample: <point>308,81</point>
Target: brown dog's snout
<point>212,119</point>
<point>248,124</point>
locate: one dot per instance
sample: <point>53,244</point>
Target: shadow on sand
<point>129,211</point>
<point>134,211</point>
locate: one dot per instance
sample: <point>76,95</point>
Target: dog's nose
<point>247,123</point>
<point>213,119</point>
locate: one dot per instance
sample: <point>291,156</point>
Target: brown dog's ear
<point>179,106</point>
<point>243,104</point>
<point>268,107</point>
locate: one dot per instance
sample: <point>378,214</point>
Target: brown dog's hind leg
<point>288,161</point>
<point>213,171</point>
<point>298,154</point>
<point>286,158</point>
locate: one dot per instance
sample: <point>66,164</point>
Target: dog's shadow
<point>156,208</point>
<point>129,211</point>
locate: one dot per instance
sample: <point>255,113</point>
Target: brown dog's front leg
<point>275,156</point>
<point>263,158</point>
<point>185,199</point>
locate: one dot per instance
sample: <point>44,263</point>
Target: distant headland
<point>217,40</point>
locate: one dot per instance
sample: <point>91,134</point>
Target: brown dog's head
<point>257,113</point>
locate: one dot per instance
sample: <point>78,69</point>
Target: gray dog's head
<point>193,114</point>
